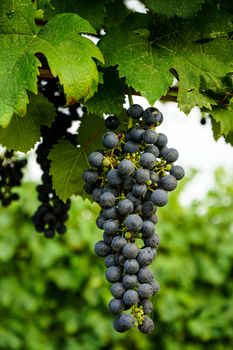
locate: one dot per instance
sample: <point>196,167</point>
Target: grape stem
<point>130,98</point>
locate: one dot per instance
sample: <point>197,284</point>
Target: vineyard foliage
<point>66,305</point>
<point>180,51</point>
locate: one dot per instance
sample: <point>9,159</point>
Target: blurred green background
<point>53,294</point>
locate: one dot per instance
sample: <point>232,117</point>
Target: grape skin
<point>107,200</point>
<point>131,266</point>
<point>117,290</point>
<point>102,249</point>
<point>125,207</point>
<point>118,243</point>
<point>113,274</point>
<point>130,251</point>
<point>147,160</point>
<point>135,111</point>
<point>159,197</point>
<point>147,325</point>
<point>133,222</point>
<point>145,275</point>
<point>95,159</point>
<point>110,139</point>
<point>177,171</point>
<point>130,281</point>
<point>116,306</point>
<point>130,297</point>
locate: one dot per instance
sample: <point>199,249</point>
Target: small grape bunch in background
<point>129,180</point>
<point>11,174</point>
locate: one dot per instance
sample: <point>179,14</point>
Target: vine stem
<point>130,98</point>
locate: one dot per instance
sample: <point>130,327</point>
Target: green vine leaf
<point>95,16</point>
<point>144,68</point>
<point>69,54</point>
<point>109,98</point>
<point>170,8</point>
<point>22,133</point>
<point>224,117</point>
<point>90,133</point>
<point>69,162</point>
<point>66,169</point>
<point>148,64</point>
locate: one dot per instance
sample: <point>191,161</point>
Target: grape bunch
<point>11,175</point>
<point>52,214</point>
<point>129,180</point>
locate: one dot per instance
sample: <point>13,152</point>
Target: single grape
<point>107,200</point>
<point>118,290</point>
<point>126,167</point>
<point>152,116</point>
<point>126,321</point>
<point>111,227</point>
<point>137,134</point>
<point>142,175</point>
<point>118,243</point>
<point>147,306</point>
<point>150,136</point>
<point>152,149</point>
<point>147,160</point>
<point>130,281</point>
<point>110,260</point>
<point>131,266</point>
<point>177,171</point>
<point>145,275</point>
<point>102,249</point>
<point>96,194</point>
<point>145,256</point>
<point>113,274</point>
<point>161,141</point>
<point>169,154</point>
<point>114,178</point>
<point>95,159</point>
<point>110,139</point>
<point>90,176</point>
<point>148,208</point>
<point>135,111</point>
<point>145,290</point>
<point>168,182</point>
<point>112,122</point>
<point>152,241</point>
<point>148,229</point>
<point>133,222</point>
<point>125,207</point>
<point>110,213</point>
<point>108,238</point>
<point>147,325</point>
<point>130,297</point>
<point>139,190</point>
<point>116,306</point>
<point>159,197</point>
<point>130,251</point>
<point>131,147</point>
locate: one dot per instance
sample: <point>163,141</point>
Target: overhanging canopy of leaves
<point>187,40</point>
<point>70,55</point>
